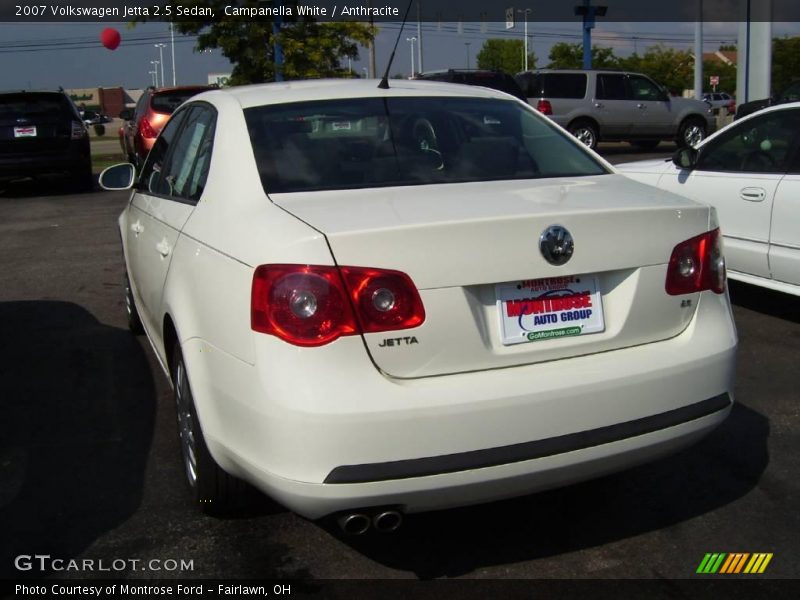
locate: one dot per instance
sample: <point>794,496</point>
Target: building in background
<point>108,100</point>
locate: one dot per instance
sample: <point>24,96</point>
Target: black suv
<point>790,94</point>
<point>41,133</point>
<point>496,80</point>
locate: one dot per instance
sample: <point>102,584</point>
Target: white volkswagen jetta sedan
<point>750,173</point>
<point>381,301</point>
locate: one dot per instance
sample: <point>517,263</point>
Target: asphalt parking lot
<point>90,465</point>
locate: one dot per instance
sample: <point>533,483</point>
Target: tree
<point>785,62</point>
<point>505,55</point>
<point>311,49</point>
<point>570,56</point>
<point>672,68</point>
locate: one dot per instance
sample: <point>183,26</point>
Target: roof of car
<point>32,92</point>
<point>567,70</point>
<point>332,89</point>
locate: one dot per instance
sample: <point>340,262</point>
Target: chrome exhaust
<point>354,523</point>
<point>387,521</point>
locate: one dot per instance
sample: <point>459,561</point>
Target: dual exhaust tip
<point>383,521</point>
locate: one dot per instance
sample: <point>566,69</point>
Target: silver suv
<point>602,105</point>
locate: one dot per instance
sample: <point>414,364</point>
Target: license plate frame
<point>25,132</point>
<point>549,308</point>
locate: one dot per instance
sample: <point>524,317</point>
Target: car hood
<point>654,165</point>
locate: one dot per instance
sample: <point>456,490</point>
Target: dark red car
<point>152,111</point>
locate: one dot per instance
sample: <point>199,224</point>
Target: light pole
<point>411,40</point>
<point>526,12</point>
<point>155,66</point>
<point>366,72</point>
<point>466,46</point>
<point>161,60</point>
<point>172,42</point>
<point>153,77</point>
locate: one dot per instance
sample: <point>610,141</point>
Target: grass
<point>103,161</point>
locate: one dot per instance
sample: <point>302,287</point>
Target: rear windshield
<point>374,142</point>
<point>32,105</point>
<point>168,102</point>
<point>496,81</point>
<point>554,85</point>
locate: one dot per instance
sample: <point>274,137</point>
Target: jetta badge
<point>556,245</point>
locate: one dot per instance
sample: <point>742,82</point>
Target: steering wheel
<point>424,137</point>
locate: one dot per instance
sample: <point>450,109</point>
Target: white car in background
<point>750,172</point>
<point>374,301</point>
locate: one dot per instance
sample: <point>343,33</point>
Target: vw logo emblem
<point>556,245</point>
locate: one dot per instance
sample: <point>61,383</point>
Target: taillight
<point>544,107</point>
<point>146,130</point>
<point>309,305</point>
<point>384,300</point>
<point>697,265</point>
<point>78,131</point>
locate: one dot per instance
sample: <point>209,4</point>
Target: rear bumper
<point>75,159</point>
<point>321,430</point>
<point>492,457</point>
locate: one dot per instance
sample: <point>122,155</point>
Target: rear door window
<point>181,174</point>
<point>611,87</point>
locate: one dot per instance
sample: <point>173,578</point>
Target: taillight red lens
<point>696,265</point>
<point>544,107</point>
<point>304,305</point>
<point>384,300</point>
<point>146,130</point>
<point>309,305</point>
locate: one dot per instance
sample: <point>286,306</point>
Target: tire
<point>214,491</point>
<point>691,132</point>
<point>645,145</point>
<point>134,322</point>
<point>586,132</point>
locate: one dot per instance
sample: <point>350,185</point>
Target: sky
<point>38,56</point>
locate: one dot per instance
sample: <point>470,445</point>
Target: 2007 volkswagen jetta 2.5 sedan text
<point>374,302</point>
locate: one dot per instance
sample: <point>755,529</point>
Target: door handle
<point>137,228</point>
<point>163,248</point>
<point>598,105</point>
<point>640,105</point>
<point>753,194</point>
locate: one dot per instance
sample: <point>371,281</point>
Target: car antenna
<point>384,84</point>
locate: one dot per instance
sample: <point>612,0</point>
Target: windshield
<point>375,142</point>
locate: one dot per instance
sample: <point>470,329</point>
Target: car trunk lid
<point>472,249</point>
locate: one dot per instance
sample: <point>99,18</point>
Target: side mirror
<point>685,158</point>
<point>118,177</point>
<point>126,115</point>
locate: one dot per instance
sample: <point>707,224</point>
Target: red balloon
<point>110,38</point>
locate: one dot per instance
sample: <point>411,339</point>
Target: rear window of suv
<point>34,105</point>
<point>554,85</point>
